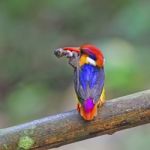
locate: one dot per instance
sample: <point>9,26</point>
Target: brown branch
<point>53,131</point>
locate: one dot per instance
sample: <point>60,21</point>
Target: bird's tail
<point>87,115</point>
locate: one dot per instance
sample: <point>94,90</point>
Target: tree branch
<point>54,131</point>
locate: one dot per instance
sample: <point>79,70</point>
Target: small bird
<point>89,76</point>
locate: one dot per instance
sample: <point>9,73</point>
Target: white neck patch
<point>91,61</point>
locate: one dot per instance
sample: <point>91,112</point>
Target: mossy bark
<point>54,131</point>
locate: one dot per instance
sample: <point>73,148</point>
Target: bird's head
<point>91,54</point>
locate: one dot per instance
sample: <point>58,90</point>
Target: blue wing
<point>89,82</point>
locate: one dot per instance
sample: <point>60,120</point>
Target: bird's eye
<point>81,51</point>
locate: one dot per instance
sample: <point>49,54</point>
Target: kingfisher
<point>89,76</point>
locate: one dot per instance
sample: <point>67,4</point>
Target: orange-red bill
<point>72,49</point>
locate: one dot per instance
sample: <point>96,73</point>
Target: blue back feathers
<point>91,82</point>
<point>88,75</point>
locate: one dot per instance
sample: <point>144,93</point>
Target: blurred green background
<point>34,83</point>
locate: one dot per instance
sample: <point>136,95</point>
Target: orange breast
<point>83,60</point>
